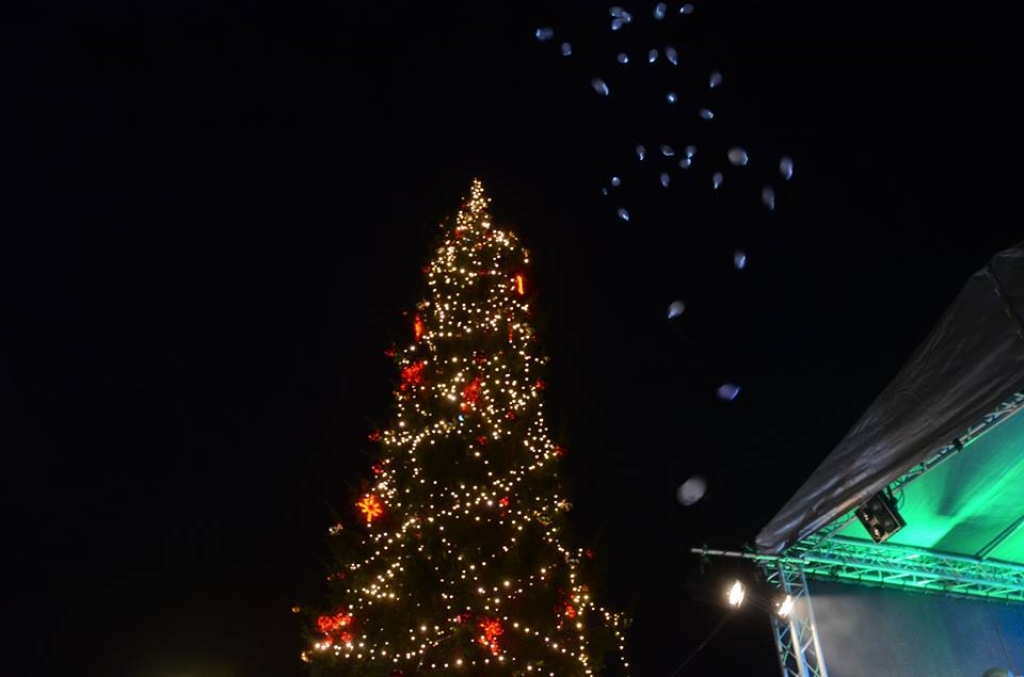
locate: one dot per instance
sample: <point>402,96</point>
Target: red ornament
<point>377,468</point>
<point>504,506</point>
<point>471,394</point>
<point>481,440</point>
<point>588,553</point>
<point>374,436</point>
<point>559,450</point>
<point>390,352</point>
<point>480,358</point>
<point>491,630</point>
<point>417,327</point>
<point>540,384</point>
<point>570,611</point>
<point>371,507</point>
<point>336,626</point>
<point>411,376</point>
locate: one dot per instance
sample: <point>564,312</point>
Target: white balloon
<point>738,156</point>
<point>675,309</point>
<point>786,167</point>
<point>727,392</point>
<point>692,490</point>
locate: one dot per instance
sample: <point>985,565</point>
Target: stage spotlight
<point>880,518</point>
<point>736,594</point>
<point>785,607</point>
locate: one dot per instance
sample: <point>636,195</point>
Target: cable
<point>714,631</point>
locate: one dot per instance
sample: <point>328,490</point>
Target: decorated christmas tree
<point>454,559</point>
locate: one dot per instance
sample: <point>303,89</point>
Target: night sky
<point>216,213</point>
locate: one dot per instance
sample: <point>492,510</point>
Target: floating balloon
<point>692,490</point>
<point>566,49</point>
<point>671,97</point>
<point>623,214</point>
<point>686,9</point>
<point>666,150</point>
<point>690,151</point>
<point>544,34</point>
<point>659,11</point>
<point>652,56</point>
<point>715,79</point>
<point>616,181</point>
<point>599,86</point>
<point>617,12</point>
<point>738,156</point>
<point>739,259</point>
<point>618,23</point>
<point>786,167</point>
<point>641,152</point>
<point>675,309</point>
<point>768,197</point>
<point>665,179</point>
<point>727,392</point>
<point>672,55</point>
<point>716,180</point>
<point>706,114</point>
<point>622,58</point>
<point>684,163</point>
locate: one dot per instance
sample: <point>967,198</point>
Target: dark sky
<point>216,212</point>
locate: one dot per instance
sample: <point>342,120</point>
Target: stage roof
<point>970,365</point>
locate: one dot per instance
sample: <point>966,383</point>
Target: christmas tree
<point>455,559</point>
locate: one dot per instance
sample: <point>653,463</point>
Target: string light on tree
<point>470,571</point>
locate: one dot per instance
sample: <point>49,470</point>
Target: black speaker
<point>880,517</point>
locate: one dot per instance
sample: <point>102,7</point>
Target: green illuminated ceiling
<point>964,504</point>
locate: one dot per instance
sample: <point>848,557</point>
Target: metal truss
<point>796,635</point>
<point>867,563</point>
<point>1004,411</point>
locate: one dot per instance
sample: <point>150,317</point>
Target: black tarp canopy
<point>970,363</point>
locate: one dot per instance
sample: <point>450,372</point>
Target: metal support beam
<point>854,560</point>
<point>1002,413</point>
<point>796,636</point>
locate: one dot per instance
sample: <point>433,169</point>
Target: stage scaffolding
<point>826,555</point>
